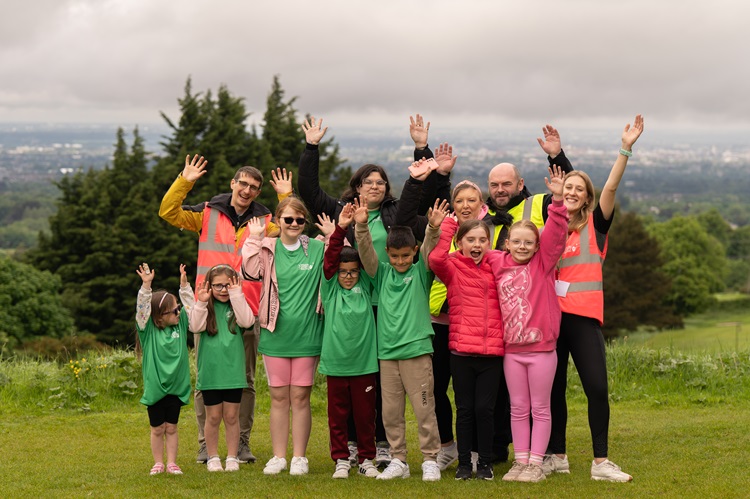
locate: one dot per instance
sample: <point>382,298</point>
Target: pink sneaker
<point>173,469</point>
<point>158,468</point>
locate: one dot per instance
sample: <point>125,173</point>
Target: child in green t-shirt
<point>349,354</point>
<point>220,315</point>
<point>405,337</point>
<point>162,332</point>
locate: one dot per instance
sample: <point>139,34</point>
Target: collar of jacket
<point>223,203</point>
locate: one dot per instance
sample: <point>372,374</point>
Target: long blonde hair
<point>579,218</point>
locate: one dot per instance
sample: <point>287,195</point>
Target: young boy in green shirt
<point>349,355</point>
<point>405,337</point>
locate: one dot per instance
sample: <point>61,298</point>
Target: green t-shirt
<point>166,368</point>
<point>299,328</point>
<point>221,358</point>
<point>404,329</point>
<point>349,340</point>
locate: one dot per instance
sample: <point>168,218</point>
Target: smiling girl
<point>291,329</point>
<point>220,315</point>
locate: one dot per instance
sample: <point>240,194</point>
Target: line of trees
<point>82,273</point>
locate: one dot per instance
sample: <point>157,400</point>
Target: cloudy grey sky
<point>681,63</point>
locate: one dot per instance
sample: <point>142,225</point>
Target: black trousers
<point>582,339</point>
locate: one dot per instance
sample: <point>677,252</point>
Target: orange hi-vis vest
<point>581,267</point>
<point>219,244</point>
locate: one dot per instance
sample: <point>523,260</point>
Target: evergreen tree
<point>635,287</point>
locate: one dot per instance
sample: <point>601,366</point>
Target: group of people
<point>396,298</point>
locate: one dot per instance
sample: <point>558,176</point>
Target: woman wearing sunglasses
<point>291,329</point>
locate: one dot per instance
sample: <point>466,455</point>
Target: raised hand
<point>256,227</point>
<point>438,212</point>
<point>195,168</point>
<point>551,143</point>
<point>313,132</point>
<point>420,170</point>
<point>183,276</point>
<point>346,217</point>
<point>555,183</point>
<point>361,215</point>
<point>234,283</point>
<point>631,134</point>
<point>147,275</point>
<point>282,180</point>
<point>204,291</point>
<point>445,158</point>
<point>325,225</point>
<point>419,131</point>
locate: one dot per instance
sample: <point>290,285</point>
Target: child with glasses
<point>291,328</point>
<point>162,331</point>
<point>525,277</point>
<point>349,355</point>
<point>220,315</point>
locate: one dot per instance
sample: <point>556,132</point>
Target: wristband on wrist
<point>626,153</point>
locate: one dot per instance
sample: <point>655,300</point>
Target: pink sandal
<point>158,468</point>
<point>174,469</point>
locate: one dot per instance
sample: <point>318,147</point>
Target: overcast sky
<point>682,63</point>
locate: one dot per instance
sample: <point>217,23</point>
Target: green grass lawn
<point>710,332</point>
<point>687,451</point>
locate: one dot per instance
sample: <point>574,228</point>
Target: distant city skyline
<point>578,63</point>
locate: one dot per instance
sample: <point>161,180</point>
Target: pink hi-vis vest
<point>219,244</point>
<point>581,266</point>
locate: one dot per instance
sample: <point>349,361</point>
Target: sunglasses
<point>289,220</point>
<point>175,311</point>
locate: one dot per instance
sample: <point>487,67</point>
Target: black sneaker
<point>484,471</point>
<point>463,472</point>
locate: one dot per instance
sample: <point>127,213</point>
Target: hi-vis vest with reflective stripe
<point>528,209</point>
<point>219,244</point>
<point>581,266</point>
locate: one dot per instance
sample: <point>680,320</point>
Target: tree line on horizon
<point>79,280</point>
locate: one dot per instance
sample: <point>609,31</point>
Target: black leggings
<point>581,337</point>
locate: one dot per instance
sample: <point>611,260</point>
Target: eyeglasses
<point>518,242</point>
<point>220,287</point>
<point>289,220</point>
<point>244,185</point>
<point>370,183</point>
<point>175,311</point>
<point>348,273</point>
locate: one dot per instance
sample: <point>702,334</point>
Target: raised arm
<point>629,137</point>
<point>315,198</point>
<point>251,267</point>
<point>187,297</point>
<point>198,316</point>
<point>435,217</point>
<point>171,204</point>
<point>241,308</point>
<point>552,145</point>
<point>143,302</point>
<point>439,260</point>
<point>364,239</point>
<point>336,242</point>
<point>552,240</point>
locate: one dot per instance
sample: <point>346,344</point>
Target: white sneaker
<point>608,471</point>
<point>447,456</point>
<point>532,473</point>
<point>342,469</point>
<point>368,469</point>
<point>274,466</point>
<point>382,454</point>
<point>395,470</point>
<point>430,471</point>
<point>214,464</point>
<point>299,466</point>
<point>474,461</point>
<point>232,464</point>
<point>555,464</point>
<point>353,453</point>
<point>513,472</point>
